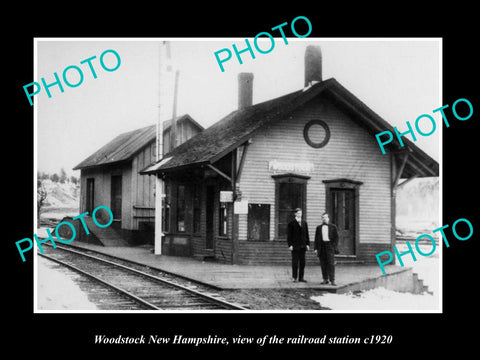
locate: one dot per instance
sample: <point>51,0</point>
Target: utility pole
<point>173,127</point>
<point>165,71</point>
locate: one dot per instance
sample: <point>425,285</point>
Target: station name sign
<point>277,166</point>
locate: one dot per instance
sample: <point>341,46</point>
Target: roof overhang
<point>418,163</point>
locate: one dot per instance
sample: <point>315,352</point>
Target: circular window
<point>316,133</point>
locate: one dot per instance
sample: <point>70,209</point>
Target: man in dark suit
<point>326,246</point>
<point>298,242</point>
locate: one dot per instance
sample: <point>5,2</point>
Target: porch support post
<point>234,216</point>
<point>158,214</point>
<point>396,174</point>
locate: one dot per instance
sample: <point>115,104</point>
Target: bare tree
<point>63,176</point>
<point>41,196</point>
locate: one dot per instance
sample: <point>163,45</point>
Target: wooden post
<point>234,216</point>
<point>396,174</point>
<point>173,127</point>
<point>158,215</point>
<point>393,197</point>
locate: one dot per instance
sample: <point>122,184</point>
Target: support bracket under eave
<point>219,172</point>
<point>407,180</point>
<point>399,172</point>
<point>242,160</point>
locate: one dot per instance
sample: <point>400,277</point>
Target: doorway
<point>210,214</point>
<point>342,214</point>
<point>342,204</point>
<point>116,197</point>
<point>89,206</point>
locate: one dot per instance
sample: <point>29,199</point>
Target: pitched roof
<point>126,145</point>
<point>238,126</point>
<point>221,137</point>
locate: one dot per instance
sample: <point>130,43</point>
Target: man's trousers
<point>327,261</point>
<point>298,263</point>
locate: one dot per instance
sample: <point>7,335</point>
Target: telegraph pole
<point>165,69</point>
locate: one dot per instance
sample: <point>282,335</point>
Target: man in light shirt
<point>326,246</point>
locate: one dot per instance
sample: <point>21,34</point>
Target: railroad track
<point>146,290</point>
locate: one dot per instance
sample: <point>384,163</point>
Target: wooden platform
<point>349,277</point>
<point>108,236</point>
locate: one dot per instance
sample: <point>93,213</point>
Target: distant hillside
<point>61,200</point>
<point>418,206</point>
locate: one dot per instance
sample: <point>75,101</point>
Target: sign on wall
<point>226,196</point>
<point>291,166</point>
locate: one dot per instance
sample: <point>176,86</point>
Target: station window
<point>316,133</point>
<point>290,193</point>
<point>259,222</point>
<point>166,208</point>
<point>196,208</point>
<point>181,208</point>
<point>223,216</point>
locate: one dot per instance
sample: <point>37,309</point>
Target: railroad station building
<point>230,189</point>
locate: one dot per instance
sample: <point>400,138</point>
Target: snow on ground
<point>61,194</point>
<point>430,272</point>
<point>57,290</point>
<point>428,268</point>
<point>381,299</point>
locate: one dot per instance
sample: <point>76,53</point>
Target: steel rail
<point>155,278</point>
<point>116,288</point>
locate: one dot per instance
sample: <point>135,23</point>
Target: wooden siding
<point>351,153</point>
<point>185,130</point>
<point>102,188</point>
<point>270,252</point>
<point>198,247</point>
<point>138,199</point>
<point>138,202</point>
<point>223,250</point>
<point>143,189</point>
<point>368,251</point>
<point>276,252</point>
<point>222,246</point>
<point>143,186</point>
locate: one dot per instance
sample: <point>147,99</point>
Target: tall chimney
<point>313,64</point>
<point>245,90</point>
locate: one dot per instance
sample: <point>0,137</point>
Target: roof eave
<point>165,170</point>
<point>424,165</point>
<point>95,166</point>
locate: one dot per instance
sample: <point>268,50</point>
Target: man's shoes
<point>302,280</point>
<point>333,283</point>
<point>294,280</point>
<point>324,282</point>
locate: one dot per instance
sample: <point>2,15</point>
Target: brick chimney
<point>313,64</point>
<point>245,90</point>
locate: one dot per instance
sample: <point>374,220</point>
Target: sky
<point>399,79</point>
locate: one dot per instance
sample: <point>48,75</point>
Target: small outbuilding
<point>110,177</point>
